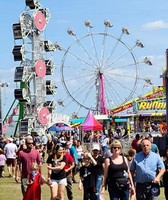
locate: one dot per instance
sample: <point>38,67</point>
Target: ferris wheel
<point>99,70</point>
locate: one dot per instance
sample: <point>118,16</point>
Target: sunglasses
<point>116,147</point>
<point>29,143</point>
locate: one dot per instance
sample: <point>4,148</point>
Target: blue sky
<point>145,20</point>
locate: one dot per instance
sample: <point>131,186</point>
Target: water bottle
<point>33,175</point>
<point>125,174</point>
<point>86,173</point>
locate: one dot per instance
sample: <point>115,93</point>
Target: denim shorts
<point>59,182</point>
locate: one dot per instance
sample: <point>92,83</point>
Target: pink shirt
<point>2,159</point>
<point>26,158</point>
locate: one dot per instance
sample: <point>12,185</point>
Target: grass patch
<point>10,190</point>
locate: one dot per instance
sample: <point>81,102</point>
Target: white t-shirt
<point>10,150</point>
<point>104,141</point>
<point>80,152</point>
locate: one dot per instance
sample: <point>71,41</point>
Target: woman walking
<point>56,173</point>
<point>117,175</point>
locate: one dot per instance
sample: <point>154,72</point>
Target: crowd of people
<point>132,174</point>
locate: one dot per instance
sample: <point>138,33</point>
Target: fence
<point>125,141</point>
<point>161,142</point>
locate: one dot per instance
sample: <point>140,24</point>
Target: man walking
<point>149,169</point>
<point>25,158</point>
<point>10,150</point>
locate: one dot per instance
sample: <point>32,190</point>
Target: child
<point>131,154</point>
<point>2,163</point>
<point>87,177</point>
<point>34,182</point>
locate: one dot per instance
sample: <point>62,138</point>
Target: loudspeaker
<point>31,3</point>
<point>18,76</point>
<point>21,95</point>
<point>49,67</point>
<point>25,126</point>
<point>17,53</point>
<point>50,87</point>
<point>17,33</point>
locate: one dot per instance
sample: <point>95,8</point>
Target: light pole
<point>1,85</point>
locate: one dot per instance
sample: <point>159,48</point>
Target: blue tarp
<point>60,128</point>
<point>54,128</point>
<point>79,120</point>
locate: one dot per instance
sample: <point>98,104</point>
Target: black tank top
<point>116,170</point>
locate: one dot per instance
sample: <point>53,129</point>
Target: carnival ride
<point>34,86</point>
<point>100,71</point>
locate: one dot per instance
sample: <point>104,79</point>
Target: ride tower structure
<point>31,76</point>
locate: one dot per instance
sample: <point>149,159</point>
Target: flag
<point>9,120</point>
<point>4,129</point>
<point>15,110</point>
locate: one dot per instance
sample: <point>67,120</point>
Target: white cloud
<point>160,24</point>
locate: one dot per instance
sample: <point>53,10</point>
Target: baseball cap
<point>96,147</point>
<point>10,139</point>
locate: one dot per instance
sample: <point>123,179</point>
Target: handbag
<point>155,189</point>
<point>122,182</point>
